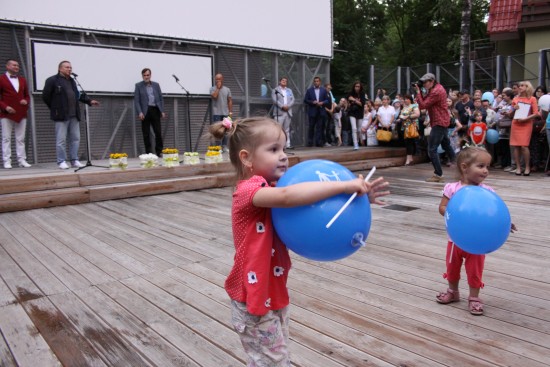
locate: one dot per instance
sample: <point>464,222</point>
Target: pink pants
<point>472,263</point>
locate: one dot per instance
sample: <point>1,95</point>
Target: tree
<point>357,28</point>
<point>391,33</point>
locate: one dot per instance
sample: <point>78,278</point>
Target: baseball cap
<point>428,76</point>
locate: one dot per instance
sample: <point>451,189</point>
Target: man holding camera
<point>435,101</point>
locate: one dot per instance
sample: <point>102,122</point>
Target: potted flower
<point>170,157</point>
<point>118,160</point>
<point>191,158</point>
<point>148,160</point>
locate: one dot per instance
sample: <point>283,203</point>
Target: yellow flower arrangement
<point>213,154</point>
<point>118,160</point>
<point>118,155</point>
<point>170,151</point>
<point>170,157</point>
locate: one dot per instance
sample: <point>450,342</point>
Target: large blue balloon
<point>303,229</point>
<point>488,96</point>
<point>477,220</point>
<point>492,136</point>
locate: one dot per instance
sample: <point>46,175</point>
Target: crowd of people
<point>434,119</point>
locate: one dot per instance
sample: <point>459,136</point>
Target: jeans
<point>68,130</point>
<point>439,136</point>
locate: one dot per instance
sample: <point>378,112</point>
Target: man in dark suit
<point>317,99</point>
<point>150,108</point>
<point>62,98</point>
<point>14,103</point>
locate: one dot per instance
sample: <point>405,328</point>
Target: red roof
<point>504,16</point>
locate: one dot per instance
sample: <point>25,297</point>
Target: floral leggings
<point>264,338</point>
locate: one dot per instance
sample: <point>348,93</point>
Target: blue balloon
<point>477,220</point>
<point>440,149</point>
<point>488,96</point>
<point>303,229</point>
<point>492,136</point>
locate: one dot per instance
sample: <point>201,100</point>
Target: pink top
<point>451,188</point>
<point>261,263</point>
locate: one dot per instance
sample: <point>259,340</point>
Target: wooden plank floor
<point>139,282</point>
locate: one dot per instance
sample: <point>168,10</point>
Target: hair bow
<point>227,123</point>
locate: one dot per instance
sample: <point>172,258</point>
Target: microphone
<point>75,75</point>
<point>175,77</point>
<point>265,79</point>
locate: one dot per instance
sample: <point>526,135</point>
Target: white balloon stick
<point>350,199</point>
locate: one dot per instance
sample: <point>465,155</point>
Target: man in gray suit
<point>150,108</point>
<point>283,100</point>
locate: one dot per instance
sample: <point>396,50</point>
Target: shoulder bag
<point>383,134</point>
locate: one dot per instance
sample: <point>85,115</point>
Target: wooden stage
<point>45,185</point>
<point>139,282</point>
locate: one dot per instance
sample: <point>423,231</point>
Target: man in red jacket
<point>14,103</point>
<point>435,101</point>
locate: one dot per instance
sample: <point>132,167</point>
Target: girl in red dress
<point>257,281</point>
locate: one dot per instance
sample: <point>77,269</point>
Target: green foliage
<point>391,33</point>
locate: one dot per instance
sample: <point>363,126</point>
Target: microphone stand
<point>87,123</point>
<point>187,94</point>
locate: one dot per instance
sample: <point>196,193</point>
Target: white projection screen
<point>295,26</point>
<point>113,70</point>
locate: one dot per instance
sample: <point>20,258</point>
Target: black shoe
<point>290,147</point>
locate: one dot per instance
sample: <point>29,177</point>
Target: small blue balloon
<point>492,136</point>
<point>477,220</point>
<point>488,96</point>
<point>303,229</point>
<point>440,149</point>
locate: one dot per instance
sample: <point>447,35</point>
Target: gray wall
<point>114,120</point>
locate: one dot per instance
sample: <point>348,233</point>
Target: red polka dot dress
<point>261,264</point>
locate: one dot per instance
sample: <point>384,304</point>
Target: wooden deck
<point>139,282</point>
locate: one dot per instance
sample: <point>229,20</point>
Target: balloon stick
<point>350,199</point>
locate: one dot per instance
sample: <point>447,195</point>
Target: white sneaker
<point>63,165</point>
<point>328,145</point>
<point>7,165</point>
<point>76,164</point>
<point>23,163</point>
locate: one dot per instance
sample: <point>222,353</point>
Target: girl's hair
<point>477,113</point>
<point>246,134</point>
<point>468,156</point>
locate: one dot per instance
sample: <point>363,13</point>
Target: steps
<point>32,191</point>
